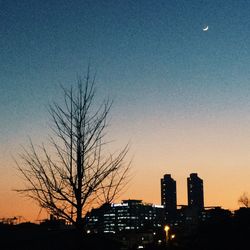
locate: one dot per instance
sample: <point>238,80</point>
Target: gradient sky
<point>181,95</point>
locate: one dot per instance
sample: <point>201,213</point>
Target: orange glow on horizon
<point>220,160</point>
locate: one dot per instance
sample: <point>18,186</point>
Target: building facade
<point>195,192</point>
<point>168,197</point>
<point>130,215</point>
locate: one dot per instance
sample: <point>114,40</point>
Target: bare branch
<point>244,200</point>
<point>74,172</point>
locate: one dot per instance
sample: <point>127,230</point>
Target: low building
<point>130,215</point>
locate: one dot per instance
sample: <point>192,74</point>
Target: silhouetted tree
<point>78,173</point>
<point>244,200</point>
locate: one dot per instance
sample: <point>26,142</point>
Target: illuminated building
<point>126,216</point>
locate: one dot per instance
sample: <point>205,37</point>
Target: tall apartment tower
<point>168,197</point>
<point>195,192</point>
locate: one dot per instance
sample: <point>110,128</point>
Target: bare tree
<point>244,200</point>
<point>78,173</point>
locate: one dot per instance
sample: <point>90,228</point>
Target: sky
<point>181,95</point>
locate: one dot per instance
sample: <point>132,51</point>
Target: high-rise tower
<point>168,197</point>
<point>195,192</point>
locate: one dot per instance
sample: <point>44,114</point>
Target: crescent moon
<point>205,28</point>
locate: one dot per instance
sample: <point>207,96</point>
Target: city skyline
<point>181,94</point>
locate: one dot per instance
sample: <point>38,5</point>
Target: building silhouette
<point>195,192</point>
<point>168,197</point>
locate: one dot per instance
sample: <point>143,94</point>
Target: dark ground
<point>33,237</point>
<point>228,234</point>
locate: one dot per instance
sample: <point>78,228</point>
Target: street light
<point>166,229</point>
<point>172,236</point>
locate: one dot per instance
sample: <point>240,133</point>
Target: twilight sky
<point>181,95</point>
